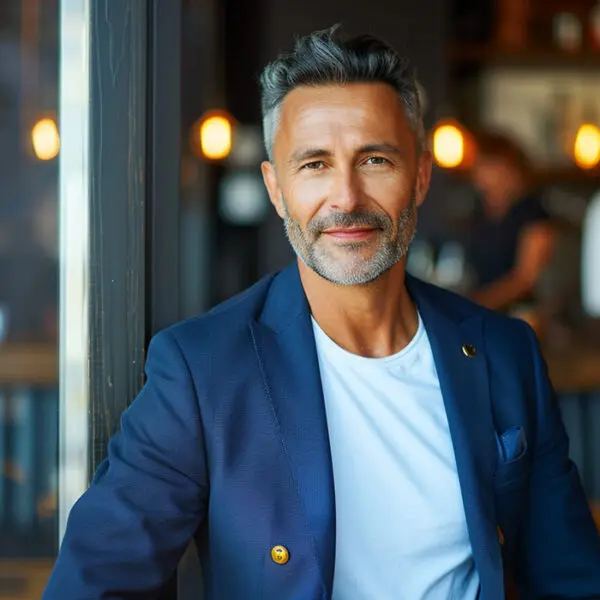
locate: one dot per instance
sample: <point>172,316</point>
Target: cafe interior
<point>510,91</point>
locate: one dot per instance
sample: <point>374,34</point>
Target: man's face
<point>346,179</point>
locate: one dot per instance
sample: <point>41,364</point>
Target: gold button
<point>500,535</point>
<point>469,350</point>
<point>280,555</point>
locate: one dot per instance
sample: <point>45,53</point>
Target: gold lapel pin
<point>469,350</point>
<point>280,555</point>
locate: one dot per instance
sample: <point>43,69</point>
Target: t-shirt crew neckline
<point>384,361</point>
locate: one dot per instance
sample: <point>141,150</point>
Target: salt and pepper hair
<point>326,58</point>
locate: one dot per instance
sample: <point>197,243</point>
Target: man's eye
<point>377,160</point>
<point>314,166</point>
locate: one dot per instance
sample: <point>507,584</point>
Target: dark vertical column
<point>163,165</point>
<point>244,34</point>
<point>134,165</point>
<point>118,181</point>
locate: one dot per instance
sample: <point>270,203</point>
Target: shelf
<point>545,176</point>
<point>28,364</point>
<point>558,175</point>
<point>488,56</point>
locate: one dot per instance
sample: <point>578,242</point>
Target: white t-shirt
<point>400,520</point>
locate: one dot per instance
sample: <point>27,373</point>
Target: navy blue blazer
<point>227,443</point>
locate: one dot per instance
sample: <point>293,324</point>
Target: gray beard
<point>352,268</point>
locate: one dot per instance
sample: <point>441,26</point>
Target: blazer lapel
<point>465,388</point>
<point>287,356</point>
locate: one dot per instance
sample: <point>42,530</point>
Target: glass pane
<point>74,104</point>
<point>29,274</point>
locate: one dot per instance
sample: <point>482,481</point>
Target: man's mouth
<point>350,233</point>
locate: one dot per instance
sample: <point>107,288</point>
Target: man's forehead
<point>310,114</point>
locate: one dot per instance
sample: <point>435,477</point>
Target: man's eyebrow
<point>381,147</point>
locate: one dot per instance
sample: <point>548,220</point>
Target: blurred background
<point>131,196</point>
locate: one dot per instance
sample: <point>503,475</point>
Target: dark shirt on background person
<point>493,243</point>
<point>511,237</point>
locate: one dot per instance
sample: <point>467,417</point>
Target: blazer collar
<point>286,300</point>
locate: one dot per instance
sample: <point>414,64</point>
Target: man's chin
<point>348,254</point>
<point>349,275</point>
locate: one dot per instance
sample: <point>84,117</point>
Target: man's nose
<point>346,193</point>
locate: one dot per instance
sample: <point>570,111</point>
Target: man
<point>431,418</point>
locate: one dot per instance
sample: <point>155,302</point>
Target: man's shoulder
<point>225,319</point>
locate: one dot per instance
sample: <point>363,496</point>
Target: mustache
<point>369,219</point>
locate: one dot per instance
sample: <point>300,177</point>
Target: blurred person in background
<point>340,430</point>
<point>511,238</point>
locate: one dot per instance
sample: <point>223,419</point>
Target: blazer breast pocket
<point>513,458</point>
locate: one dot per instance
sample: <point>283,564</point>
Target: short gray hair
<point>325,58</point>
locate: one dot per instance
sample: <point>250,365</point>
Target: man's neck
<point>373,320</point>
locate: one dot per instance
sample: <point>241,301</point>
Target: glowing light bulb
<point>216,137</point>
<point>45,138</point>
<point>587,146</point>
<point>448,146</point>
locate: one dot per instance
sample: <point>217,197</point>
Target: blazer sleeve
<point>560,551</point>
<point>126,534</point>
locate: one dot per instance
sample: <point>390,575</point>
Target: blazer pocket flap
<point>513,465</point>
<point>512,444</point>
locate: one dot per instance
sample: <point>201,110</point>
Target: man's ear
<point>272,185</point>
<point>424,166</point>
